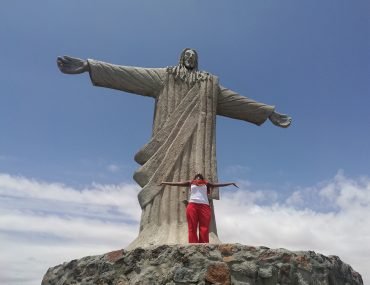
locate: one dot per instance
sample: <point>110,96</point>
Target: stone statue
<point>183,140</point>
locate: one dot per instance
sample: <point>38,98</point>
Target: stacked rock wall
<point>204,264</point>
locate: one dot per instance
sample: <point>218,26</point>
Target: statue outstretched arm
<point>138,80</point>
<point>231,104</point>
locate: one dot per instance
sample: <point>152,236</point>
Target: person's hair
<point>198,175</point>
<point>182,57</point>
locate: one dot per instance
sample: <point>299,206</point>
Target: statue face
<point>189,59</point>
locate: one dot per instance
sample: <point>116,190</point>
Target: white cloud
<point>295,199</point>
<point>121,198</point>
<point>342,228</point>
<point>44,224</point>
<point>113,168</point>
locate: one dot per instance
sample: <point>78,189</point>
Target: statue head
<point>189,59</point>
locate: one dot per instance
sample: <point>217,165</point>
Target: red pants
<point>198,214</point>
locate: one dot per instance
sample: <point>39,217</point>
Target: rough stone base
<point>204,264</point>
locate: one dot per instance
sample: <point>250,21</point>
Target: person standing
<point>198,210</point>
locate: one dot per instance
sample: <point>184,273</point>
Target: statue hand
<point>280,120</point>
<point>72,65</point>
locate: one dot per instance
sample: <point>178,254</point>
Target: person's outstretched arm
<point>222,184</point>
<point>181,184</point>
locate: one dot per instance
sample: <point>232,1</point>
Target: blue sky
<point>310,59</point>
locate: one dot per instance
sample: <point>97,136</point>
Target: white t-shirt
<point>198,194</point>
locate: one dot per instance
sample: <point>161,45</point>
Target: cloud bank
<point>44,224</point>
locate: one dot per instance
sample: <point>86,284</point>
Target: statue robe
<point>183,141</point>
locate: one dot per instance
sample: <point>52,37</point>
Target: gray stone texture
<point>204,264</point>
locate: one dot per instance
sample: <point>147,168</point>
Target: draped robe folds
<point>183,141</point>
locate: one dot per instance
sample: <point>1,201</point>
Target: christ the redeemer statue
<point>183,141</point>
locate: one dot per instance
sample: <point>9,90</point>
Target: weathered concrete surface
<point>204,264</point>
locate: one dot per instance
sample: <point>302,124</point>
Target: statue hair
<point>181,72</point>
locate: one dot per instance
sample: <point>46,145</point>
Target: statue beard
<point>190,76</point>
